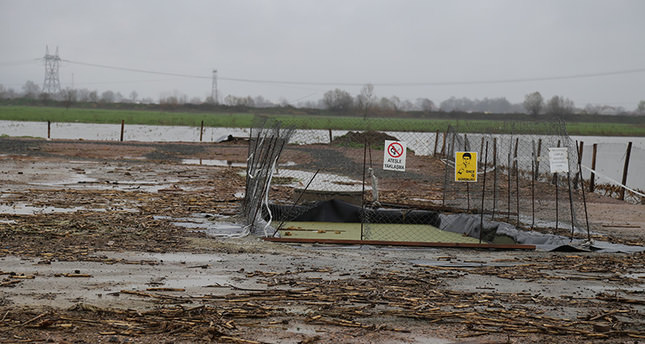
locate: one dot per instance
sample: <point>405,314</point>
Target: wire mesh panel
<point>400,186</point>
<point>266,142</point>
<point>515,183</point>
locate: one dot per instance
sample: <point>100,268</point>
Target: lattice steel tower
<point>214,93</point>
<point>51,85</point>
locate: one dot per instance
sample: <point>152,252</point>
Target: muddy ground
<point>91,252</point>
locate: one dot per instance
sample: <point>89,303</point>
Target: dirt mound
<point>374,138</point>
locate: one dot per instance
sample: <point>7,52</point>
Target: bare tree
<point>396,103</point>
<point>209,100</point>
<point>30,89</point>
<point>232,100</point>
<point>424,104</point>
<point>83,95</point>
<point>69,96</point>
<point>641,108</point>
<point>365,100</point>
<point>107,97</point>
<point>11,93</point>
<point>262,102</point>
<point>387,105</point>
<point>457,104</point>
<point>559,106</point>
<point>133,96</point>
<point>338,100</point>
<point>533,103</point>
<point>406,105</point>
<point>284,102</point>
<point>592,109</point>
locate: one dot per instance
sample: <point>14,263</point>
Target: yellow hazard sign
<point>465,166</point>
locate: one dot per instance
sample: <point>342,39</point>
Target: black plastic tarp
<point>339,211</point>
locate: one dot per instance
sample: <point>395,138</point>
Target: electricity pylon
<point>51,85</point>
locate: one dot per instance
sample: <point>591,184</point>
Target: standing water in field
<point>611,150</point>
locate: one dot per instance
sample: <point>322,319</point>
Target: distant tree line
<point>366,103</point>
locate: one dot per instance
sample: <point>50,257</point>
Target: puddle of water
<point>212,162</point>
<point>618,289</point>
<point>94,184</point>
<point>322,182</point>
<point>169,258</point>
<point>457,264</point>
<point>177,271</point>
<point>72,179</point>
<point>205,224</point>
<point>144,186</point>
<point>23,209</point>
<point>224,228</point>
<point>639,275</point>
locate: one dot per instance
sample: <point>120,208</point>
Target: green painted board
<point>371,231</point>
<point>321,230</point>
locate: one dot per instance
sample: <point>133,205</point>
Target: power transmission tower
<point>214,94</point>
<point>51,85</point>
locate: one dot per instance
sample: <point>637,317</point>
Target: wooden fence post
<point>122,128</point>
<point>443,147</point>
<point>592,177</point>
<point>537,160</point>
<point>436,141</point>
<point>481,147</point>
<point>624,182</point>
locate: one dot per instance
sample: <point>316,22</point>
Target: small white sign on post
<point>394,156</point>
<point>559,159</point>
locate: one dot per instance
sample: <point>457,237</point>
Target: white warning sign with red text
<point>394,156</point>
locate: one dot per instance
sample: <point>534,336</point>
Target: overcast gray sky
<point>407,48</point>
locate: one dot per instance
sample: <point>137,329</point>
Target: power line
<point>181,75</point>
<point>382,84</point>
<point>20,62</point>
<point>123,81</point>
<point>447,83</point>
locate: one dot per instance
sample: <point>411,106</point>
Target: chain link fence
<point>401,186</point>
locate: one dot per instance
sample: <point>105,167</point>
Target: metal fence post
<point>481,226</point>
<point>494,177</point>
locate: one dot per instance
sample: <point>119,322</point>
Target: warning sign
<point>559,159</point>
<point>465,166</point>
<point>394,156</point>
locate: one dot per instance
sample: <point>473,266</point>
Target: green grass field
<point>245,120</point>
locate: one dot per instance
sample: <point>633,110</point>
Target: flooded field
<point>609,166</point>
